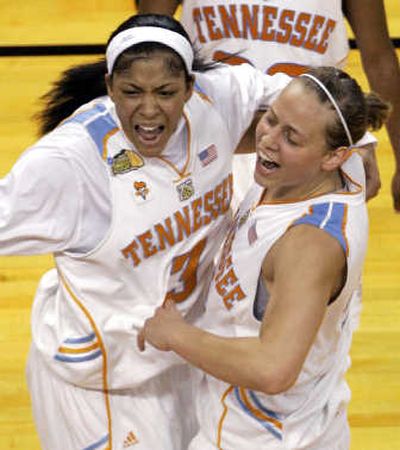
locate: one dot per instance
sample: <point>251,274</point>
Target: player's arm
<point>167,7</point>
<point>368,22</point>
<point>304,279</point>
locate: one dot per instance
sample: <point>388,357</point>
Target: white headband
<point>333,101</point>
<point>137,35</point>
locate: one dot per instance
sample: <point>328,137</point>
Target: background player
<point>297,36</point>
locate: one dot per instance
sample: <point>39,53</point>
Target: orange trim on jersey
<point>224,413</point>
<point>202,95</point>
<point>79,350</point>
<point>358,185</point>
<point>182,173</point>
<point>257,412</point>
<point>310,210</point>
<point>103,351</point>
<point>105,140</point>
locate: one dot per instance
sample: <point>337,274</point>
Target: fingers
<point>150,331</point>
<point>169,305</point>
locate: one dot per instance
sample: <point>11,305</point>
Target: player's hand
<point>372,176</point>
<point>396,190</point>
<point>157,330</point>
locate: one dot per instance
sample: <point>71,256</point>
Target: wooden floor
<point>375,373</point>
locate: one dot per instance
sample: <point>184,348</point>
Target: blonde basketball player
<point>280,303</point>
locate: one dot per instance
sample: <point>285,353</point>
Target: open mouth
<point>149,134</point>
<point>267,163</point>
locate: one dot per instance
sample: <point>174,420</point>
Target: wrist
<point>183,337</point>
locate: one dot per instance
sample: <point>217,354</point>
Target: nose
<point>149,106</point>
<point>270,139</point>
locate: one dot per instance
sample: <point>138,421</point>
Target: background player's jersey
<point>300,416</point>
<point>168,219</point>
<point>298,33</point>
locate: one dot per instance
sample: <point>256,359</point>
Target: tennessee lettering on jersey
<point>181,224</point>
<point>265,23</point>
<point>226,281</point>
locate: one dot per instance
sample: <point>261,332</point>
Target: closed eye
<point>166,93</point>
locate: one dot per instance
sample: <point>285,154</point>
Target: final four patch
<point>125,161</point>
<point>185,189</point>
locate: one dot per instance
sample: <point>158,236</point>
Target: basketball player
<point>279,306</point>
<point>131,193</point>
<point>287,35</point>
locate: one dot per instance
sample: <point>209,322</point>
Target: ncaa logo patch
<point>185,189</point>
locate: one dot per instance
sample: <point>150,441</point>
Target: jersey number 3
<point>186,265</point>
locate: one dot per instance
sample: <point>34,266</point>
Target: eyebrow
<point>163,86</point>
<point>289,127</point>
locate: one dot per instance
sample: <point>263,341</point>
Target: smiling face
<point>293,159</point>
<point>149,98</point>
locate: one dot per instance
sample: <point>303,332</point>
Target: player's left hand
<point>158,329</point>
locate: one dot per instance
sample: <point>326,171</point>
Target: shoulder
<point>329,217</point>
<point>96,118</point>
<point>306,253</point>
<point>66,153</point>
<point>220,80</point>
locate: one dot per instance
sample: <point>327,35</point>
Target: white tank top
<point>299,416</point>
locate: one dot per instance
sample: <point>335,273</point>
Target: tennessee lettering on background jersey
<point>266,23</point>
<point>298,33</point>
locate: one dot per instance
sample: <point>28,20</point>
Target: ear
<point>334,159</point>
<point>108,81</point>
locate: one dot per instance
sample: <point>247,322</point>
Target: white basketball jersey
<point>233,417</point>
<point>299,34</point>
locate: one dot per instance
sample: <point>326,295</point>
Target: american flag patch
<point>208,155</point>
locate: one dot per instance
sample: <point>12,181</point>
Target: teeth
<point>265,159</point>
<point>266,162</point>
<point>148,129</point>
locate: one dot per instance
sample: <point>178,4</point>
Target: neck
<point>333,182</point>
